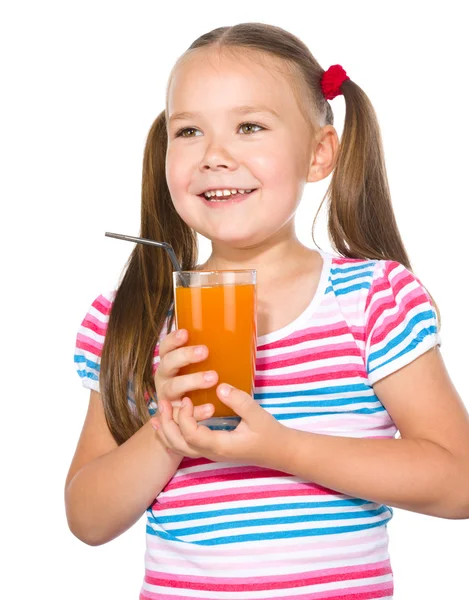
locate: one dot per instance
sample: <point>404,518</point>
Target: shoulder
<point>94,323</point>
<point>90,339</point>
<point>400,319</point>
<point>399,285</point>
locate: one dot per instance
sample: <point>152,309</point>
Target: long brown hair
<point>361,221</point>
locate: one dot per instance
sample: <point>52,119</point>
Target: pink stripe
<point>343,261</point>
<point>359,426</point>
<point>89,345</point>
<point>188,462</point>
<point>218,473</point>
<point>200,498</point>
<point>222,584</point>
<point>307,355</point>
<point>293,489</point>
<point>367,592</point>
<point>272,581</point>
<point>312,375</point>
<point>103,305</point>
<point>306,335</point>
<point>94,324</point>
<point>260,473</point>
<point>391,322</point>
<point>253,493</point>
<point>393,285</point>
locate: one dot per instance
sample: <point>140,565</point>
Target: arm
<point>109,487</point>
<point>426,471</point>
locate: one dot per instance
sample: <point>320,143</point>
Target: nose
<point>217,157</point>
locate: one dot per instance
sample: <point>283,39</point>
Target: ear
<point>325,153</point>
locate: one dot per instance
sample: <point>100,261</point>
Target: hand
<point>257,439</point>
<point>172,387</point>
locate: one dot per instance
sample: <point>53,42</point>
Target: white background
<point>82,83</point>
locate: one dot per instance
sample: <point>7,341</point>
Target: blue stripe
<point>430,331</point>
<point>364,265</point>
<point>89,363</point>
<point>86,374</point>
<point>339,402</point>
<point>333,389</point>
<point>273,535</point>
<point>352,288</point>
<point>253,509</point>
<point>423,316</point>
<point>276,521</point>
<point>351,277</point>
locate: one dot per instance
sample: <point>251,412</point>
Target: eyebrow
<point>243,110</point>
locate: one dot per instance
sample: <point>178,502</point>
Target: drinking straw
<point>169,249</point>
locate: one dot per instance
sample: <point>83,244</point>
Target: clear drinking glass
<point>219,310</point>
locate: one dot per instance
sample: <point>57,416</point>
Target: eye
<point>250,125</point>
<point>181,132</point>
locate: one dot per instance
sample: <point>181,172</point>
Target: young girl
<point>295,502</point>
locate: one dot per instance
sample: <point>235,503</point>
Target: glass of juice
<point>219,310</point>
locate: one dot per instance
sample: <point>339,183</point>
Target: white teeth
<point>224,193</point>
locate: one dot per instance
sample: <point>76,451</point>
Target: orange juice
<point>223,318</point>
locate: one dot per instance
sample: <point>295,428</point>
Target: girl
<point>296,500</point>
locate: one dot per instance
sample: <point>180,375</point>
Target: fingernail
<point>183,403</point>
<point>225,390</point>
<point>209,375</point>
<point>199,350</point>
<point>180,334</point>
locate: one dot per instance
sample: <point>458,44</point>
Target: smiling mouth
<point>227,199</point>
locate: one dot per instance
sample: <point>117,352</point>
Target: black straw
<point>169,249</point>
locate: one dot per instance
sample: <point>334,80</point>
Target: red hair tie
<point>331,81</point>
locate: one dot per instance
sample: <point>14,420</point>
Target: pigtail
<point>361,221</point>
<point>144,296</point>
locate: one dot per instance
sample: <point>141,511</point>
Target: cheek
<point>175,177</point>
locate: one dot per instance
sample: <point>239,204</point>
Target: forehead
<point>209,82</point>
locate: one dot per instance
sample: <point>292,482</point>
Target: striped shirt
<point>224,531</point>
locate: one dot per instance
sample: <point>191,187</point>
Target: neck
<point>275,261</point>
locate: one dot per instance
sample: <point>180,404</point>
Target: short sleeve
<point>401,321</point>
<point>90,340</point>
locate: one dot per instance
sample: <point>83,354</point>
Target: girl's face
<point>223,145</point>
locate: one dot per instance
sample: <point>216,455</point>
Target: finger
<point>205,411</point>
<point>173,340</point>
<point>177,358</point>
<point>176,387</point>
<point>202,412</point>
<point>194,434</point>
<point>155,423</point>
<point>242,403</point>
<point>172,433</point>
